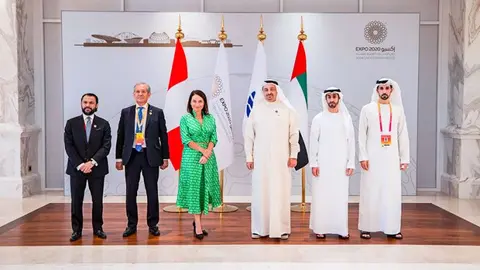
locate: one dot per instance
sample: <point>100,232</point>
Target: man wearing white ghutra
<point>384,153</point>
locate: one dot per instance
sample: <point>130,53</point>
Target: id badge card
<point>139,139</point>
<point>386,140</point>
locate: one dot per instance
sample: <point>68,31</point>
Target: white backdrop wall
<point>333,58</point>
<point>49,77</point>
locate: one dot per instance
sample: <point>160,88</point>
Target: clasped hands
<point>119,165</point>
<point>206,153</point>
<point>86,167</point>
<point>292,162</point>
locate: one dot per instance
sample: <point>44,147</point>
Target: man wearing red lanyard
<point>384,153</point>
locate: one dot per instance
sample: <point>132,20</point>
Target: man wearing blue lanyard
<point>142,147</point>
<point>384,153</point>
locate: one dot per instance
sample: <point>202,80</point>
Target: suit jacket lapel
<point>83,130</point>
<point>92,129</point>
<point>149,117</point>
<point>131,119</point>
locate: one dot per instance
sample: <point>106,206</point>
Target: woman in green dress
<point>198,184</point>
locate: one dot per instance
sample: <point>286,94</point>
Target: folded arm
<point>186,138</point>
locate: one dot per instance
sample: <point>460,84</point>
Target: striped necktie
<point>138,128</point>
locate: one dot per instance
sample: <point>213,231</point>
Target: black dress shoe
<point>100,234</point>
<point>129,231</point>
<point>75,236</point>
<point>154,231</point>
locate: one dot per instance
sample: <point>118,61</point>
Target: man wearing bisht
<point>271,148</point>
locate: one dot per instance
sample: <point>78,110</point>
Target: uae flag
<point>298,96</point>
<point>175,104</point>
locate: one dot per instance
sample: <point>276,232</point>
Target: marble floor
<point>240,256</point>
<point>249,266</point>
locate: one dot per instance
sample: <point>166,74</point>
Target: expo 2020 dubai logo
<point>375,32</point>
<point>217,86</point>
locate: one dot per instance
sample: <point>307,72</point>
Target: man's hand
<point>87,167</point>
<point>164,165</point>
<point>119,165</point>
<point>349,172</point>
<point>80,167</point>
<point>250,165</point>
<point>316,171</point>
<point>403,166</point>
<point>292,162</point>
<point>364,164</point>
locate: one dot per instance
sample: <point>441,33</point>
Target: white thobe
<point>271,138</point>
<point>381,185</point>
<point>332,150</point>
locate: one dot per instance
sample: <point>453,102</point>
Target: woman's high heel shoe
<point>203,231</point>
<point>198,236</point>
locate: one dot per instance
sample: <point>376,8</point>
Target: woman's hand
<point>207,153</point>
<point>203,160</point>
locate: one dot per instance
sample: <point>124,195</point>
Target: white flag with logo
<point>221,109</point>
<point>259,75</point>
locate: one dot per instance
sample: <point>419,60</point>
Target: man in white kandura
<point>384,153</point>
<point>271,148</point>
<point>332,158</point>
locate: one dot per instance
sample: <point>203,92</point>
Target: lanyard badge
<point>139,136</point>
<point>385,139</point>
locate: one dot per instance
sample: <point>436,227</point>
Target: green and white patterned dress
<point>198,183</point>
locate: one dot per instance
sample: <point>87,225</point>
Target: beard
<point>92,111</point>
<point>332,105</point>
<point>384,96</point>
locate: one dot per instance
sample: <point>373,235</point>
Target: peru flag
<point>175,104</point>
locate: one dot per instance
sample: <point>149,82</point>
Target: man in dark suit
<point>142,147</point>
<point>87,141</point>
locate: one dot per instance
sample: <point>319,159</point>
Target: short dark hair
<point>205,103</point>
<point>90,95</point>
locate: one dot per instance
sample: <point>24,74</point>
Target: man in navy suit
<point>142,147</point>
<point>87,141</point>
